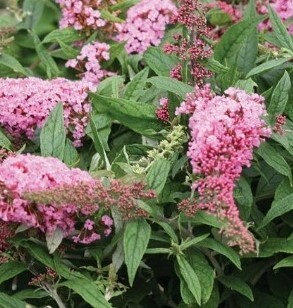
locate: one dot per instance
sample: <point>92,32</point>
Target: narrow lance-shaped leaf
<point>139,117</point>
<point>274,159</point>
<point>158,174</point>
<point>237,285</point>
<point>134,88</point>
<point>280,95</point>
<point>286,262</point>
<point>233,39</point>
<point>53,134</point>
<point>160,62</point>
<point>280,30</point>
<point>135,240</point>
<point>89,291</point>
<point>12,63</point>
<point>266,66</point>
<point>11,269</point>
<point>171,85</point>
<point>190,277</point>
<point>278,208</point>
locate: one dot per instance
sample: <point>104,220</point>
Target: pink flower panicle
<point>193,48</point>
<point>224,131</point>
<point>284,8</point>
<point>43,193</point>
<point>81,14</point>
<point>88,62</point>
<point>25,103</point>
<point>162,112</point>
<point>145,24</point>
<point>24,174</point>
<point>188,106</point>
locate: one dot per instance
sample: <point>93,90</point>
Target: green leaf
<point>250,10</point>
<point>233,39</point>
<point>158,174</point>
<point>11,269</point>
<point>191,242</point>
<point>280,95</point>
<point>247,55</point>
<point>274,159</point>
<point>247,85</point>
<point>89,291</point>
<point>158,251</point>
<point>286,262</point>
<point>134,88</point>
<point>204,272</point>
<point>71,157</point>
<point>215,66</point>
<point>266,66</point>
<point>8,301</point>
<point>54,239</point>
<point>222,249</point>
<point>139,117</point>
<point>69,52</point>
<point>217,17</point>
<point>136,237</point>
<point>4,141</point>
<point>277,209</point>
<point>169,230</point>
<point>159,61</point>
<point>30,293</point>
<point>171,85</point>
<point>98,144</point>
<point>12,63</point>
<point>33,11</point>
<point>275,245</point>
<point>52,137</point>
<point>237,285</point>
<point>190,277</point>
<point>37,252</point>
<point>106,15</point>
<point>52,69</point>
<point>67,36</point>
<point>280,30</point>
<point>244,197</point>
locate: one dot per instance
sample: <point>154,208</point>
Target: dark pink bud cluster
<point>145,24</point>
<point>280,122</point>
<point>88,63</point>
<point>25,104</point>
<point>192,48</point>
<point>40,279</point>
<point>7,232</point>
<point>224,131</point>
<point>162,113</point>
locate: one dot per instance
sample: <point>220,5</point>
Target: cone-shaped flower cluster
<point>145,24</point>
<point>88,62</point>
<point>25,103</point>
<point>81,14</point>
<point>43,193</point>
<point>224,131</point>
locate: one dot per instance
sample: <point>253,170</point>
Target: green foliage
<point>166,259</point>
